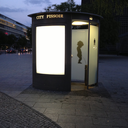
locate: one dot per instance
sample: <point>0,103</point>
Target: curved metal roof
<point>85,13</point>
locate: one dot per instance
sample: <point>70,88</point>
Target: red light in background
<point>6,33</point>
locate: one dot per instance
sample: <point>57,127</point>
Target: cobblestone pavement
<point>105,106</point>
<point>15,114</point>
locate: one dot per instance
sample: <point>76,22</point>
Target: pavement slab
<point>102,106</point>
<point>15,114</point>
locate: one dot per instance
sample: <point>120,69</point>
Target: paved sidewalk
<point>15,114</point>
<point>15,73</point>
<point>105,106</point>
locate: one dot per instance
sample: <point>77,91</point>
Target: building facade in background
<point>10,26</point>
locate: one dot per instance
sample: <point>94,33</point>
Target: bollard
<point>86,75</point>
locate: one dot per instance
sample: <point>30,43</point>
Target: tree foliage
<point>21,42</point>
<point>109,31</point>
<point>100,7</point>
<point>29,34</point>
<point>65,6</point>
<point>11,41</point>
<point>107,8</point>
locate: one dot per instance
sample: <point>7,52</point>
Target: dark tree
<point>3,40</point>
<point>22,42</point>
<point>29,34</point>
<point>11,40</point>
<point>107,8</point>
<point>65,6</point>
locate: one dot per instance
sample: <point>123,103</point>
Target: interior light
<point>90,18</point>
<point>79,23</point>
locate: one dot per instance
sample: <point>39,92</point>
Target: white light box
<point>50,50</point>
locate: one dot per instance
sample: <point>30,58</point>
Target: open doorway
<point>79,56</point>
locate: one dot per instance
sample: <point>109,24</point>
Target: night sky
<point>20,9</point>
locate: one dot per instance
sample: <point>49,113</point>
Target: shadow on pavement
<point>93,91</point>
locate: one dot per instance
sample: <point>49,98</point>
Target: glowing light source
<point>6,33</point>
<point>90,18</point>
<point>50,50</point>
<point>79,23</point>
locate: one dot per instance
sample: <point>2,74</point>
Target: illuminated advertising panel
<point>50,50</point>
